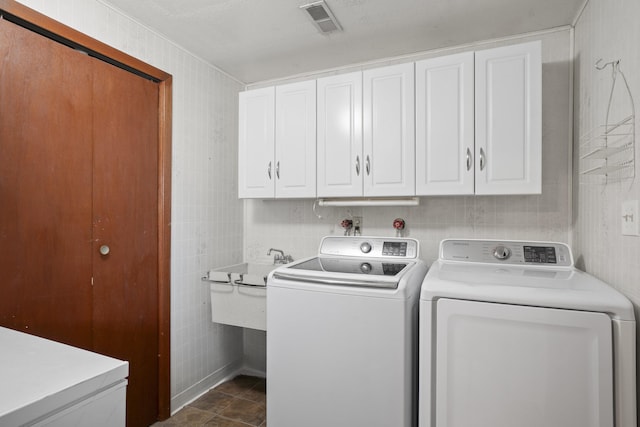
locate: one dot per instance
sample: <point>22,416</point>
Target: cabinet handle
<point>278,170</point>
<point>482,159</point>
<point>269,170</point>
<point>469,159</point>
<point>358,165</point>
<point>368,166</point>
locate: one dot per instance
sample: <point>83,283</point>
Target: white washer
<point>342,335</point>
<point>512,334</point>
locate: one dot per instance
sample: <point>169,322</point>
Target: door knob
<point>104,250</point>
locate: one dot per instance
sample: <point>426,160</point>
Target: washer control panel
<point>507,252</point>
<point>370,247</point>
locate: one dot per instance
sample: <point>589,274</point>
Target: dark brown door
<point>125,206</point>
<point>79,171</point>
<point>45,187</point>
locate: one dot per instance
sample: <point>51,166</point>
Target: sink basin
<point>238,295</point>
<point>253,274</point>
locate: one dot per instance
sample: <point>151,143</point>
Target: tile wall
<point>206,214</point>
<point>608,30</point>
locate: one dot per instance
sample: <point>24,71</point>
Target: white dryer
<point>512,334</point>
<point>342,335</point>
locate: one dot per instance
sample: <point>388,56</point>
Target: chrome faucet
<point>280,258</point>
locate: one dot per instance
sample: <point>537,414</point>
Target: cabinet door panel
<point>508,120</point>
<point>444,127</point>
<point>389,134</point>
<point>256,168</point>
<point>340,163</point>
<point>296,140</point>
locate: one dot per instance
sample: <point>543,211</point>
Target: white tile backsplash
<point>206,214</point>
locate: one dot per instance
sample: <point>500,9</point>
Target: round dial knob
<point>365,247</point>
<point>365,267</point>
<point>501,252</point>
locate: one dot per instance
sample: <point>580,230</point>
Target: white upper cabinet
<point>340,163</point>
<point>256,143</point>
<point>468,123</point>
<point>295,154</point>
<point>388,131</point>
<point>508,120</point>
<point>277,142</point>
<point>445,125</point>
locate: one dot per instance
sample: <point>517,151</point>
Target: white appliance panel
<point>361,345</point>
<point>47,383</point>
<point>501,365</point>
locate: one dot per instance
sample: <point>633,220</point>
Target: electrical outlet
<point>630,218</point>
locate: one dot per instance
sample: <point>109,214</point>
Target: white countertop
<point>38,376</point>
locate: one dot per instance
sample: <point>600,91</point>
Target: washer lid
<point>559,287</point>
<point>338,271</point>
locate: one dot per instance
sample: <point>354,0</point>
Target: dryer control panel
<point>511,252</point>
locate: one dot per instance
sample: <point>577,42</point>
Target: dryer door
<point>500,365</point>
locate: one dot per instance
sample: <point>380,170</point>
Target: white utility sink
<point>252,274</point>
<point>239,294</point>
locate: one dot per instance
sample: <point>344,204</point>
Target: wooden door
<point>444,125</point>
<point>388,131</point>
<point>79,170</point>
<point>125,220</point>
<point>45,187</point>
<point>340,166</point>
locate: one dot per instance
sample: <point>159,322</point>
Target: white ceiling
<point>257,40</point>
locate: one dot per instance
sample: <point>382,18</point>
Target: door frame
<point>42,24</point>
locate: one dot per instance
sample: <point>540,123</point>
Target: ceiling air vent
<point>322,17</point>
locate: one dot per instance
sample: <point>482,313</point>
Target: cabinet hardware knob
<point>483,161</point>
<point>104,250</point>
<point>358,165</point>
<point>278,170</point>
<point>368,166</point>
<point>269,170</point>
<point>469,159</point>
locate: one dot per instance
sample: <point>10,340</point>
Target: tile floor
<point>240,402</point>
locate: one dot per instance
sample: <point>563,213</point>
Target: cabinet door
<point>256,169</point>
<point>444,127</point>
<point>389,134</point>
<point>295,167</point>
<point>340,163</point>
<point>508,120</point>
